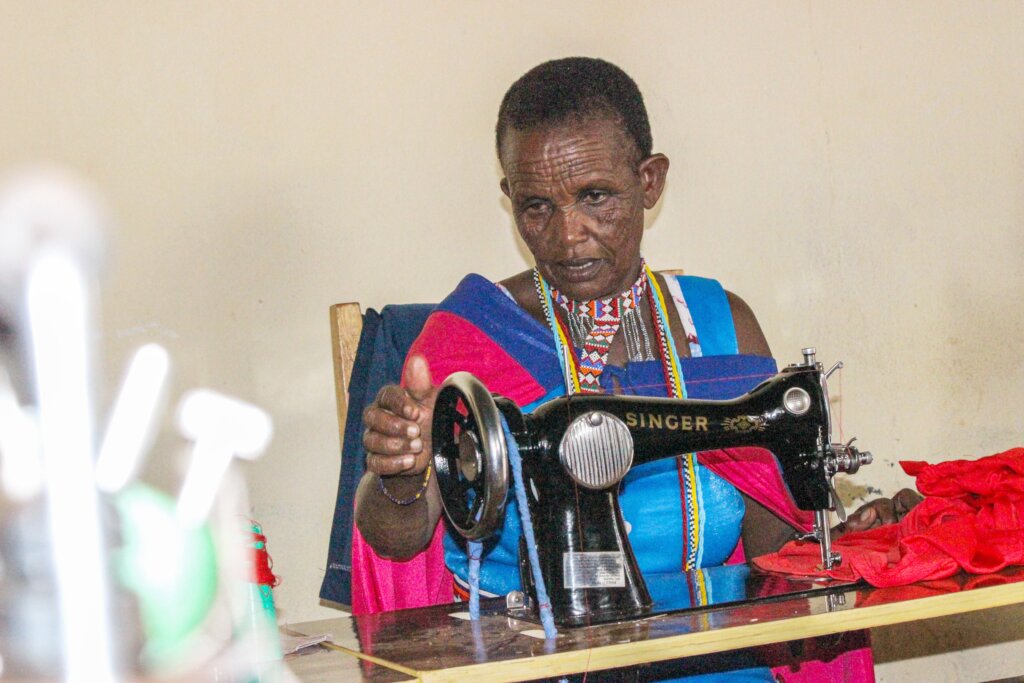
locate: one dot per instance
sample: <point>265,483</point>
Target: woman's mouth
<point>580,270</point>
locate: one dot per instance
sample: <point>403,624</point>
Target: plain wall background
<point>853,170</point>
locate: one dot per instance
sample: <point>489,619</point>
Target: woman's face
<point>578,195</point>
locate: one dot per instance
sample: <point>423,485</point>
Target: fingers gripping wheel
<point>470,456</point>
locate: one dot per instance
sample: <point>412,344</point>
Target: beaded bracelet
<point>407,501</point>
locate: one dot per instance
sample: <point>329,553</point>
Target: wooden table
<point>439,644</point>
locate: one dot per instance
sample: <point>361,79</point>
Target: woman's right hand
<point>397,442</point>
<point>398,423</point>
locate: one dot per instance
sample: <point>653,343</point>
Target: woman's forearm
<point>397,531</point>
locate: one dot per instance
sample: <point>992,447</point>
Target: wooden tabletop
<point>440,644</point>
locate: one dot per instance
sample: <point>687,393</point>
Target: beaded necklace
<point>594,324</point>
<point>584,377</point>
<point>674,382</point>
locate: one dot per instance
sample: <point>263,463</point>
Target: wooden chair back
<point>346,326</point>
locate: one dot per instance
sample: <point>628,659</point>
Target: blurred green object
<point>171,569</point>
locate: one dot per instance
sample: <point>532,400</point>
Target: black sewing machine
<point>575,450</point>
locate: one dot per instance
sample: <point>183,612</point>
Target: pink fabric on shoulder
<point>451,343</point>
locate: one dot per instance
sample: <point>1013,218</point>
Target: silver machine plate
<point>593,570</point>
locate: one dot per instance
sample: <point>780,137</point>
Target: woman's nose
<point>571,225</point>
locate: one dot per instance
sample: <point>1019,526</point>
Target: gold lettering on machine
<point>682,423</point>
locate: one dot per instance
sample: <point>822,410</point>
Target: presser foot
<point>822,535</point>
<point>839,458</point>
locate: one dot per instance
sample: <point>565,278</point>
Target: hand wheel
<point>470,456</point>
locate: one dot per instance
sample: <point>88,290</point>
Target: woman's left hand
<point>880,511</point>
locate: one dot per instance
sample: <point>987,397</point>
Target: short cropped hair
<point>575,88</point>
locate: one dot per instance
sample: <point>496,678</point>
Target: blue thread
<point>547,619</point>
<point>475,549</point>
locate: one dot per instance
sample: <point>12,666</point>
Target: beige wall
<point>854,170</point>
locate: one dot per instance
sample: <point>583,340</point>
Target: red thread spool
<point>262,563</point>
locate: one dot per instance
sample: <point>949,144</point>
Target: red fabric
<point>971,519</point>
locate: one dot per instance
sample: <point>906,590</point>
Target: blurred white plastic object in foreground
<point>20,468</point>
<point>221,427</point>
<point>133,420</point>
<point>41,208</point>
<point>53,224</point>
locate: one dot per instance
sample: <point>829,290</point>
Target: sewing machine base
<point>702,590</point>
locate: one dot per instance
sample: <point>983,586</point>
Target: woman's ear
<point>653,171</point>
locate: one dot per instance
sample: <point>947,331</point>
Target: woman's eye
<point>535,209</point>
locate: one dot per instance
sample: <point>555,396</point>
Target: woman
<point>575,146</point>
